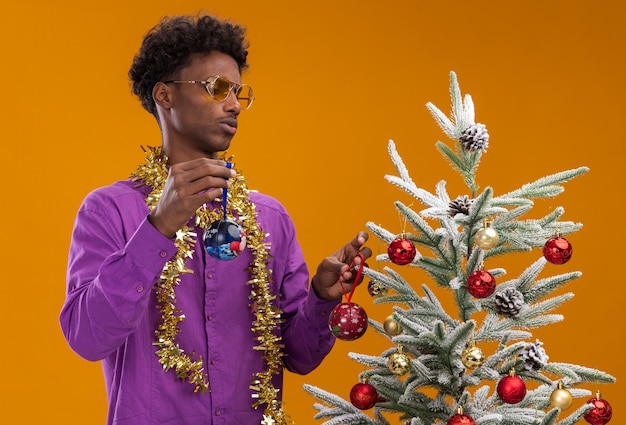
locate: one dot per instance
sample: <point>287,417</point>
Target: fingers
<point>366,252</point>
<point>199,181</point>
<point>356,243</point>
<point>349,253</point>
<point>339,269</point>
<point>354,254</point>
<point>189,185</point>
<point>201,174</point>
<point>350,274</point>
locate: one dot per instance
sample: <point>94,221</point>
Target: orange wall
<point>334,81</point>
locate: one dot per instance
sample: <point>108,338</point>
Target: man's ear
<point>161,95</point>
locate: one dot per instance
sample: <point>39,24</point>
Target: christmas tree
<point>436,370</point>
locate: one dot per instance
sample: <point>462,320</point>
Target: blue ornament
<point>224,240</point>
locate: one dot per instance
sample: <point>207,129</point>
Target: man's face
<point>196,124</point>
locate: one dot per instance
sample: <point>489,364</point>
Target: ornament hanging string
<point>225,191</point>
<point>357,278</point>
<point>403,221</point>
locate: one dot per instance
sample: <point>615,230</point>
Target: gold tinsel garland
<point>153,173</point>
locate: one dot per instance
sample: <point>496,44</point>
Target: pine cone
<point>509,302</point>
<point>461,205</point>
<point>534,356</point>
<point>475,138</point>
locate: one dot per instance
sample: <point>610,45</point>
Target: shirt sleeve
<point>109,279</point>
<point>306,334</point>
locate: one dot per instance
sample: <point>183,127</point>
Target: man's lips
<point>230,125</point>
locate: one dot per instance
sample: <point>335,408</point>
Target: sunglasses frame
<point>209,85</point>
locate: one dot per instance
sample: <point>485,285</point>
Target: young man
<point>186,338</point>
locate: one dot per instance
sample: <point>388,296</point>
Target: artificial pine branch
<point>579,373</point>
<point>576,416</point>
<point>548,186</point>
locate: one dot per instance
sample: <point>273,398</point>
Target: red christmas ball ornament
<point>511,389</point>
<point>557,250</point>
<point>363,396</point>
<point>601,412</point>
<point>401,251</point>
<point>481,283</point>
<point>460,418</point>
<point>348,321</point>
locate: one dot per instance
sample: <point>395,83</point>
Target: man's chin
<point>217,148</point>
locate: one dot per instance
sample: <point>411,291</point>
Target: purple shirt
<point>110,313</point>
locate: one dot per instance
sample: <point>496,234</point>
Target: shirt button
<point>209,275</point>
<point>322,313</point>
<point>218,412</point>
<point>140,288</point>
<point>208,317</point>
<point>212,361</point>
<point>163,254</point>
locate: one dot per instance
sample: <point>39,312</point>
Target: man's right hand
<point>189,185</point>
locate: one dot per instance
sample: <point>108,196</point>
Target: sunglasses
<point>220,87</point>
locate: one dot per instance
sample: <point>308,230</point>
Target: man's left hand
<point>327,282</point>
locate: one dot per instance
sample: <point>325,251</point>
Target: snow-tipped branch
<point>546,187</point>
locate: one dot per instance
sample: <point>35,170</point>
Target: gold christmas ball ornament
<point>561,398</point>
<point>376,289</point>
<point>391,326</point>
<point>487,237</point>
<point>472,357</point>
<point>399,363</point>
